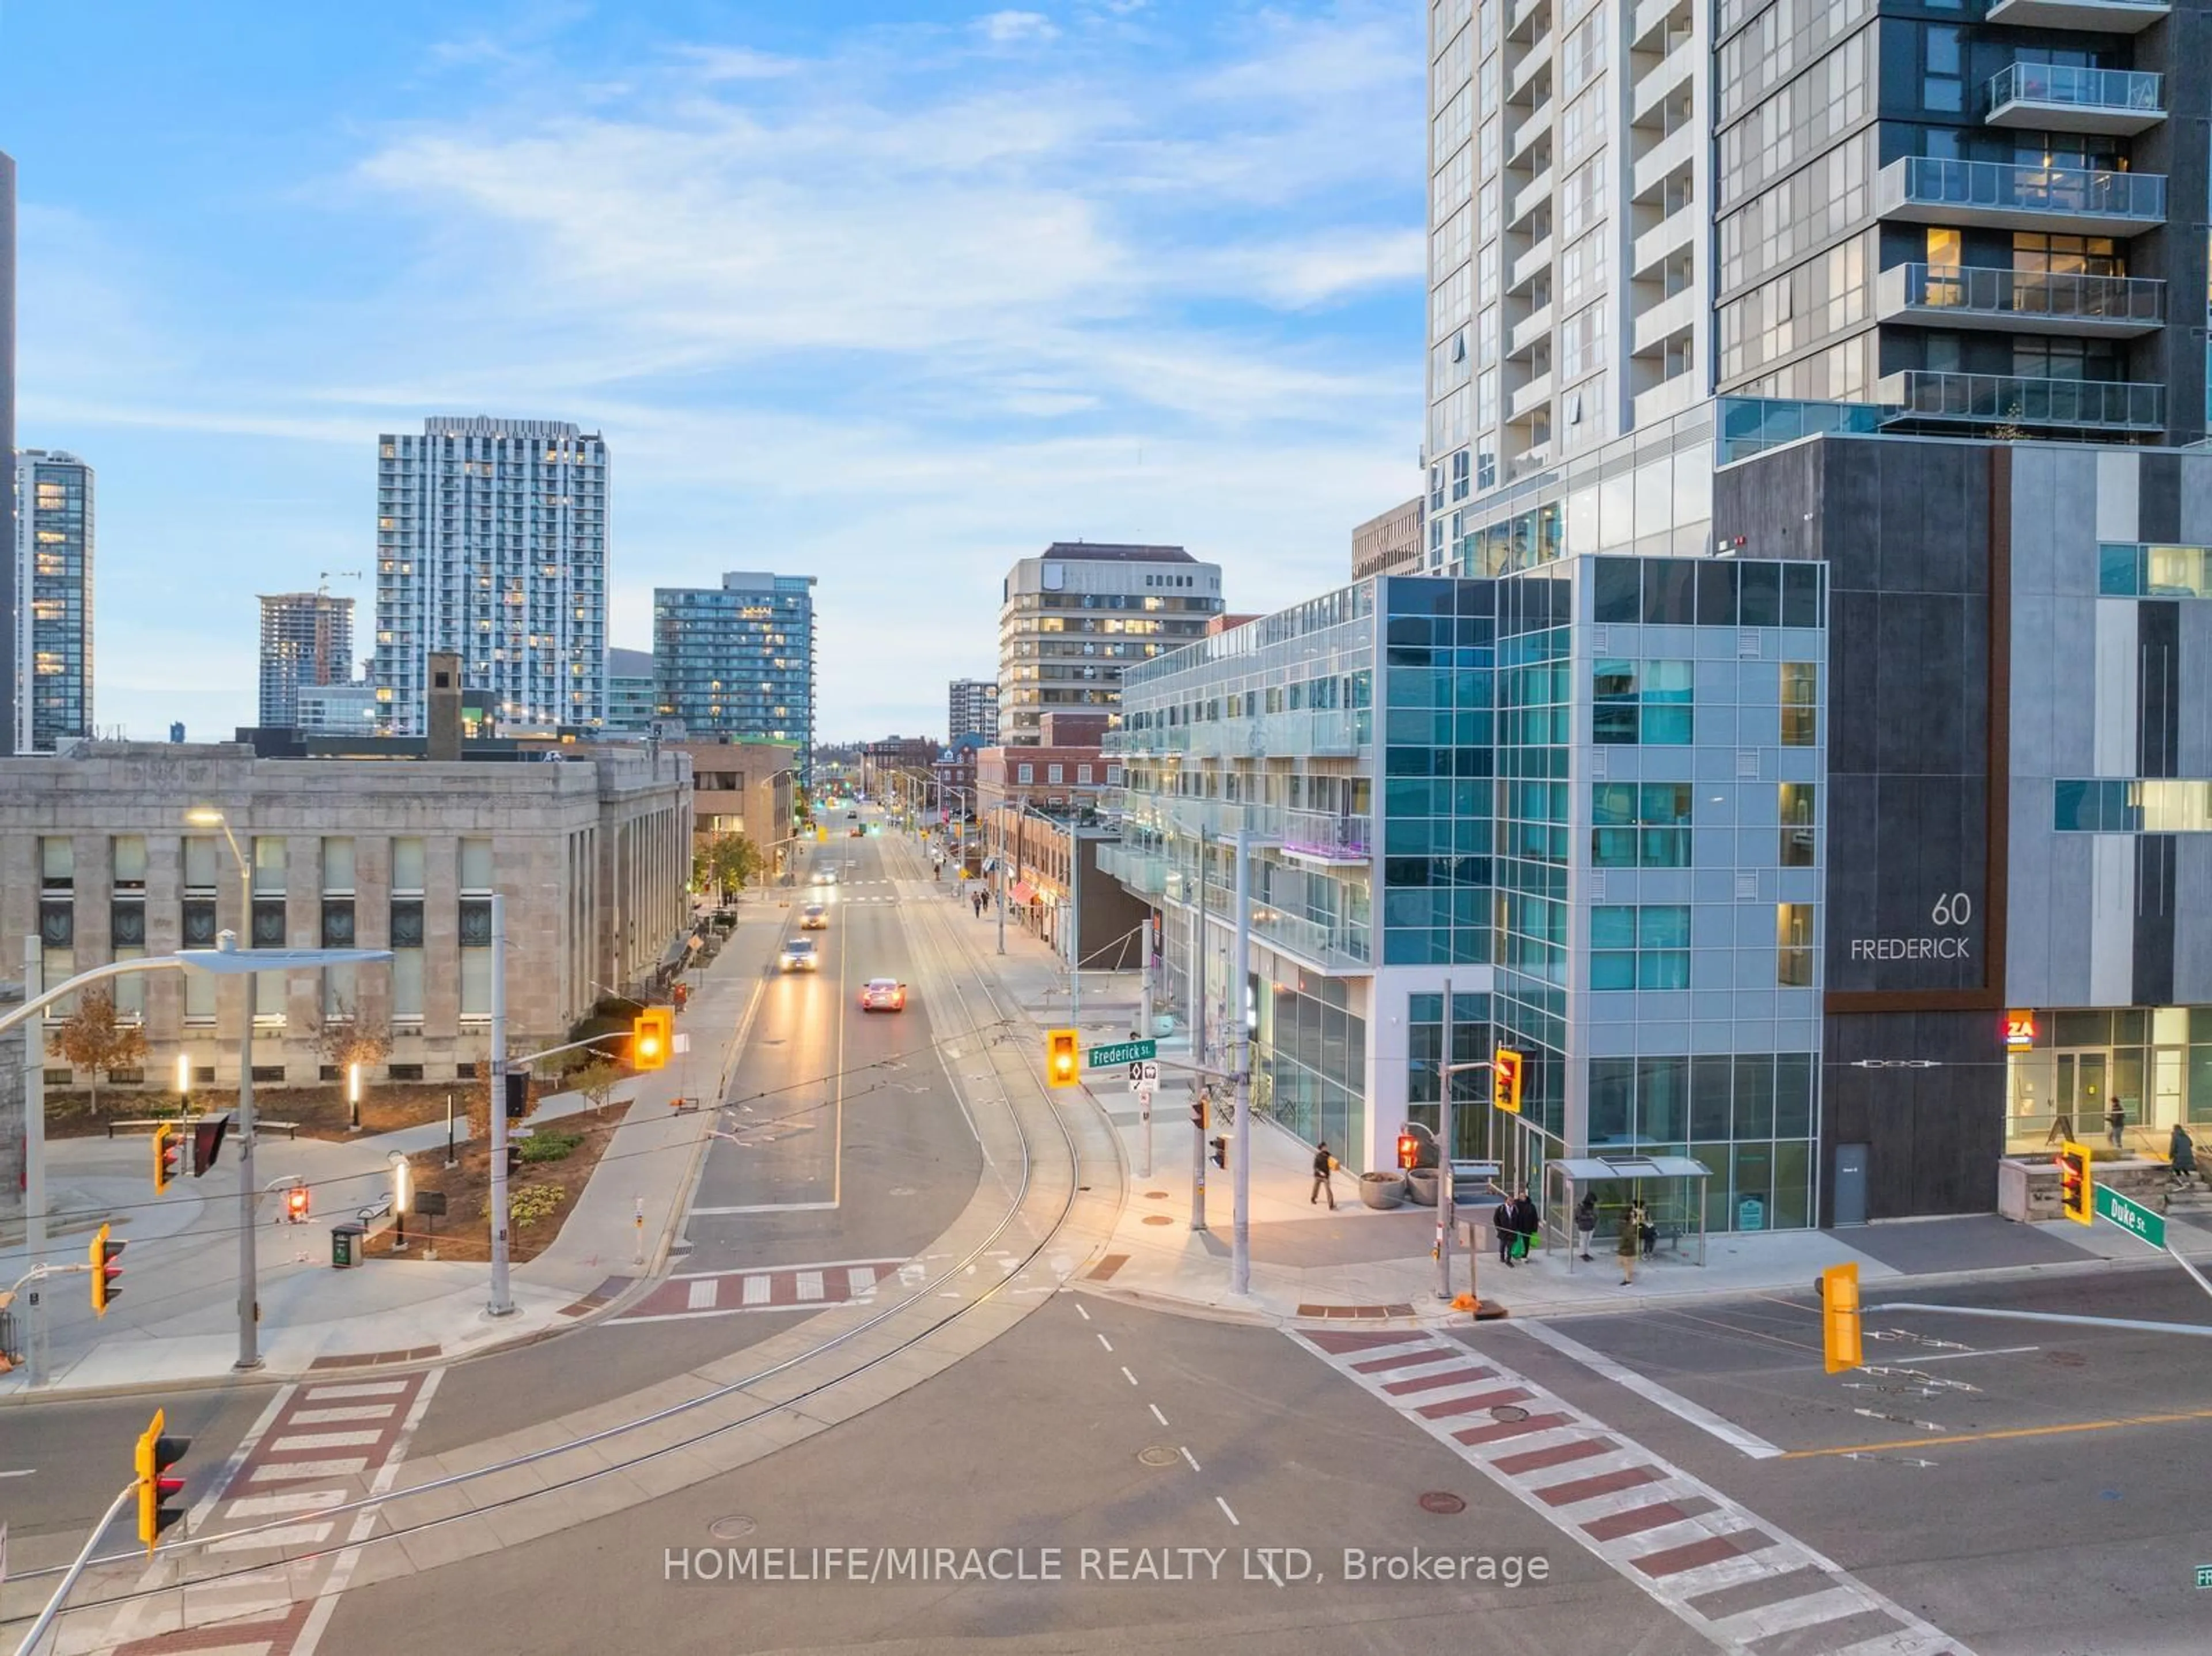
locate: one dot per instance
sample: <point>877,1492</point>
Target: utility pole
<point>502,1303</point>
<point>1447,1184</point>
<point>1074,923</point>
<point>998,873</point>
<point>1240,1176</point>
<point>35,1104</point>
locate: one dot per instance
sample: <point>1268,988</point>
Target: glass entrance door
<point>2081,1098</point>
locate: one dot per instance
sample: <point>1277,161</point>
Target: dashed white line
<point>1157,1415</point>
<point>1103,1341</point>
<point>1081,1313</point>
<point>1132,1379</point>
<point>1189,1457</point>
<point>1231,1516</point>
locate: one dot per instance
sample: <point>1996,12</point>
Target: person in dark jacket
<point>2116,1125</point>
<point>1586,1223</point>
<point>1502,1222</point>
<point>1324,1163</point>
<point>1526,1224</point>
<point>2181,1153</point>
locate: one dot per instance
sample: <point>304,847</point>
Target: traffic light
<point>1220,1152</point>
<point>168,1156</point>
<point>1839,1318</point>
<point>106,1260</point>
<point>156,1487</point>
<point>1505,1080</point>
<point>517,1093</point>
<point>207,1141</point>
<point>2076,1189</point>
<point>1201,1110</point>
<point>297,1202</point>
<point>651,1038</point>
<point>1409,1150</point>
<point>1063,1056</point>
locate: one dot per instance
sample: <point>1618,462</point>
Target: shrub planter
<point>1383,1191</point>
<point>1422,1183</point>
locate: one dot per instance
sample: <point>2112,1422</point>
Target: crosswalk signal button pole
<point>1840,1339</point>
<point>106,1258</point>
<point>1063,1056</point>
<point>157,1486</point>
<point>2076,1189</point>
<point>168,1156</point>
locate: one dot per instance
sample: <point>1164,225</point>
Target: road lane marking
<point>289,1472</point>
<point>365,1389</point>
<point>1676,1538</point>
<point>1231,1516</point>
<point>19,1471</point>
<point>2000,1351</point>
<point>1651,1391</point>
<point>275,1506</point>
<point>757,1290</point>
<point>1189,1457</point>
<point>809,1285</point>
<point>1103,1341</point>
<point>332,1416</point>
<point>704,1294</point>
<point>1081,1313</point>
<point>322,1441</point>
<point>1131,1378</point>
<point>860,1280</point>
<point>1157,1415</point>
<point>2003,1434</point>
<point>759,1207</point>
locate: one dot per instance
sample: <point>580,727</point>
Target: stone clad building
<point>592,854</point>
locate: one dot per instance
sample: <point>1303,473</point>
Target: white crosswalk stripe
<point>704,1292</point>
<point>757,1288</point>
<point>809,1284</point>
<point>1716,1566</point>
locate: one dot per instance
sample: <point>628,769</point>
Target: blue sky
<point>888,294</point>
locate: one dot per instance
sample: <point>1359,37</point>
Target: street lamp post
<point>249,1299</point>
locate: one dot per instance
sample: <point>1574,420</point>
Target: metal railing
<point>2111,404</point>
<point>1976,290</point>
<point>2075,87</point>
<point>2005,186</point>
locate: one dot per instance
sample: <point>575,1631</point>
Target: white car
<point>825,877</point>
<point>883,995</point>
<point>815,917</point>
<point>800,955</point>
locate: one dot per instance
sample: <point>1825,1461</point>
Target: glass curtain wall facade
<point>737,660</point>
<point>54,558</point>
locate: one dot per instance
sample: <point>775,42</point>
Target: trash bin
<point>346,1245</point>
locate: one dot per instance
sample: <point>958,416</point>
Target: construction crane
<point>323,579</point>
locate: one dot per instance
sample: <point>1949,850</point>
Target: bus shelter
<point>1671,1188</point>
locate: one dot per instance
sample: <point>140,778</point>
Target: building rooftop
<point>629,664</point>
<point>1107,552</point>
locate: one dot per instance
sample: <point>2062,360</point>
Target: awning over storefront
<point>1023,892</point>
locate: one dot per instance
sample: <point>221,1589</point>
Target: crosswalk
<point>787,1288</point>
<point>1721,1569</point>
<point>271,1587</point>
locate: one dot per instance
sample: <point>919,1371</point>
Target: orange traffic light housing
<point>168,1156</point>
<point>1063,1056</point>
<point>1409,1150</point>
<point>156,1487</point>
<point>652,1039</point>
<point>1841,1342</point>
<point>1505,1080</point>
<point>297,1203</point>
<point>2076,1188</point>
<point>106,1258</point>
<point>1201,1110</point>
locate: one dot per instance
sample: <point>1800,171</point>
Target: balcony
<point>1144,872</point>
<point>1530,331</point>
<point>2093,17</point>
<point>1335,947</point>
<point>1531,264</point>
<point>1678,230</point>
<point>2062,98</point>
<point>1528,398</point>
<point>1921,394</point>
<point>1332,837</point>
<point>2020,301</point>
<point>2003,196</point>
<point>1671,156</point>
<point>1674,315</point>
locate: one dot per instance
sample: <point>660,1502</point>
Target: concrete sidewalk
<point>176,1321</point>
<point>1310,1262</point>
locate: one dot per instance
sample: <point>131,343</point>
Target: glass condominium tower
<point>737,660</point>
<point>54,560</point>
<point>491,542</point>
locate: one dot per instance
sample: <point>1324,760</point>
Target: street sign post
<point>2204,1575</point>
<point>1121,1051</point>
<point>2142,1223</point>
<point>1145,1076</point>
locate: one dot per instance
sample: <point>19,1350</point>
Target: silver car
<point>800,955</point>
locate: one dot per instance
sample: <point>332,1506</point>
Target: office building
<point>629,692</point>
<point>1070,622</point>
<point>1390,544</point>
<point>10,595</point>
<point>53,584</point>
<point>336,710</point>
<point>307,642</point>
<point>491,542</point>
<point>395,852</point>
<point>737,660</point>
<point>745,787</point>
<point>1066,771</point>
<point>972,709</point>
<point>1960,215</point>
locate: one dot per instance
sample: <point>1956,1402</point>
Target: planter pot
<point>1422,1184</point>
<point>1381,1190</point>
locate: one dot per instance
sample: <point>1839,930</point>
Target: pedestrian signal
<point>297,1201</point>
<point>1063,1056</point>
<point>1505,1080</point>
<point>2076,1189</point>
<point>1409,1150</point>
<point>207,1141</point>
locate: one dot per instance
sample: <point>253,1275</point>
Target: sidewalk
<point>176,1320</point>
<point>1355,1263</point>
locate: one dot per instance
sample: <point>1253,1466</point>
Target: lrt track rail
<point>990,1033</point>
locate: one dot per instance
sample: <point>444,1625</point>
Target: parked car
<point>800,955</point>
<point>883,995</point>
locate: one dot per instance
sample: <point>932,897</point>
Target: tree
<point>730,861</point>
<point>345,1039</point>
<point>595,1077</point>
<point>94,1039</point>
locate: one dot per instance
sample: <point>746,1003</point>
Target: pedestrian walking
<point>1324,1164</point>
<point>2181,1155</point>
<point>1586,1223</point>
<point>1631,1240</point>
<point>1526,1224</point>
<point>2116,1125</point>
<point>1502,1222</point>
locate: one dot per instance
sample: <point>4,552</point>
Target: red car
<point>883,995</point>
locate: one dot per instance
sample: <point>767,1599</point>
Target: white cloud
<point>1013,27</point>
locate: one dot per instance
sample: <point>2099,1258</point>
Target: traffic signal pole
<point>47,1617</point>
<point>1239,998</point>
<point>503,1300</point>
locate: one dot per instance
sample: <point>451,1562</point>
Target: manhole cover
<point>2067,1359</point>
<point>1156,1196</point>
<point>1441,1500</point>
<point>1158,1455</point>
<point>734,1528</point>
<point>1508,1412</point>
<point>1157,1219</point>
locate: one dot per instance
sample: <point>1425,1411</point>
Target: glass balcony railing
<point>1325,733</point>
<point>2030,296</point>
<point>2016,399</point>
<point>2135,95</point>
<point>2006,192</point>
